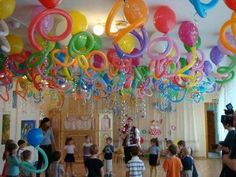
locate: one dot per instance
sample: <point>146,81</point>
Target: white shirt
<point>137,132</point>
<point>70,149</point>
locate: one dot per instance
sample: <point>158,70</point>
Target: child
<point>12,161</point>
<point>56,169</point>
<point>154,156</point>
<point>86,149</point>
<point>135,167</point>
<point>21,144</point>
<point>172,165</point>
<point>187,163</point>
<point>69,159</point>
<point>5,156</point>
<point>25,156</point>
<point>108,150</point>
<point>94,166</point>
<point>181,144</point>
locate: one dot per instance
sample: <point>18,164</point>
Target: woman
<point>48,143</point>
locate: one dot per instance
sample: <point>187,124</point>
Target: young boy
<point>172,165</point>
<point>21,144</point>
<point>135,167</point>
<point>25,156</point>
<point>94,166</point>
<point>56,169</point>
<point>108,150</point>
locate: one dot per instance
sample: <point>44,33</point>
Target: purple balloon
<point>207,67</point>
<point>216,55</point>
<point>188,33</point>
<point>47,22</point>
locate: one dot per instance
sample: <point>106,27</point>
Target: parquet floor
<point>206,168</point>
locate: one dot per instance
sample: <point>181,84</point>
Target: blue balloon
<point>201,8</point>
<point>35,136</point>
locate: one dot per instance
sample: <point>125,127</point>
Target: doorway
<point>211,132</point>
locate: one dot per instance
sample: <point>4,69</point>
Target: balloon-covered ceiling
<point>148,49</point>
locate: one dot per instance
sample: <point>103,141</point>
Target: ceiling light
<point>98,29</point>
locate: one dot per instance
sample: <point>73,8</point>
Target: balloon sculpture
<point>67,59</point>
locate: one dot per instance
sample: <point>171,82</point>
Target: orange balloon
<point>136,10</point>
<point>223,39</point>
<point>102,55</point>
<point>136,13</point>
<point>233,26</point>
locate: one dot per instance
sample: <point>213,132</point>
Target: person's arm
<point>102,171</point>
<point>127,173</point>
<point>138,136</point>
<point>231,163</point>
<point>52,139</point>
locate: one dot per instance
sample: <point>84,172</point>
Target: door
<point>211,130</point>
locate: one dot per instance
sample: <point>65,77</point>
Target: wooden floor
<point>206,168</point>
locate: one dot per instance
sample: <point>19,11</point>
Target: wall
<point>25,110</point>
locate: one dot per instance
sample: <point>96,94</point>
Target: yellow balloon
<point>16,43</point>
<point>79,22</point>
<point>127,43</point>
<point>7,8</point>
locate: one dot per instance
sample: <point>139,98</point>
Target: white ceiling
<point>97,11</point>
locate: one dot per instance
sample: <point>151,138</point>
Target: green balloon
<point>197,45</point>
<point>183,62</point>
<point>172,68</point>
<point>97,42</point>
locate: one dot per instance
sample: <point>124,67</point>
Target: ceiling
<point>97,11</point>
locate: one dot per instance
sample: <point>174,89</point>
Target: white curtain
<point>227,95</point>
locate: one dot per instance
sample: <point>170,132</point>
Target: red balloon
<point>97,61</point>
<point>50,3</point>
<point>231,4</point>
<point>164,19</point>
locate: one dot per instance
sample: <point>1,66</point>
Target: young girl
<point>12,161</point>
<point>94,166</point>
<point>69,159</point>
<point>154,156</point>
<point>26,156</point>
<point>56,169</point>
<point>187,163</point>
<point>5,156</point>
<point>86,150</point>
<point>172,164</point>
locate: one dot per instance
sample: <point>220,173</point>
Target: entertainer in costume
<point>131,137</point>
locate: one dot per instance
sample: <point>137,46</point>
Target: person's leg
<point>151,170</point>
<point>66,168</point>
<point>127,154</point>
<point>71,168</point>
<point>110,168</point>
<point>155,171</point>
<point>49,154</point>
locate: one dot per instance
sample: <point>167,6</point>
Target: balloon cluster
<point>226,46</point>
<point>68,60</point>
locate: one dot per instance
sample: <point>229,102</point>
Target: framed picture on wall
<point>26,126</point>
<point>5,128</point>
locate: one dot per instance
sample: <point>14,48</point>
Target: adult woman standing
<point>48,143</point>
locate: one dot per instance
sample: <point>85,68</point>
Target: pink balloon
<point>46,23</point>
<point>188,33</point>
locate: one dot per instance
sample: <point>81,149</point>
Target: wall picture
<point>5,128</point>
<point>26,126</point>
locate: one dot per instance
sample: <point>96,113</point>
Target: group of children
<point>178,161</point>
<point>13,155</point>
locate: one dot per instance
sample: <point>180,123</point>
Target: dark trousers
<point>48,151</point>
<point>127,152</point>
